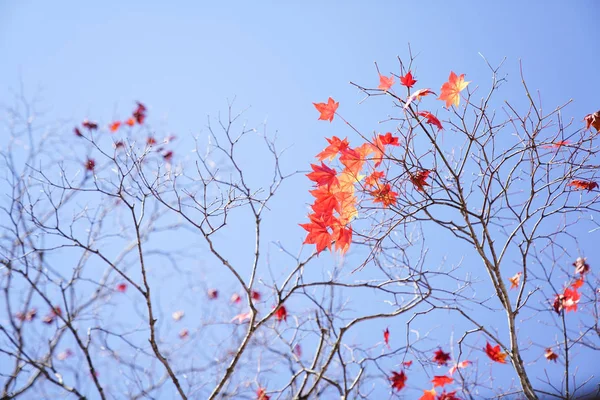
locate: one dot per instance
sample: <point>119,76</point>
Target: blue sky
<point>184,62</point>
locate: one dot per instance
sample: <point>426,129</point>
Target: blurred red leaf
<point>441,380</point>
<point>121,287</point>
<point>494,353</point>
<point>440,357</point>
<point>398,380</point>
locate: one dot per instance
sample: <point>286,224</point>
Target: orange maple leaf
<point>494,353</point>
<point>327,110</point>
<point>335,146</point>
<point>441,380</point>
<point>398,380</point>
<point>407,80</point>
<point>114,126</point>
<point>550,355</point>
<point>431,119</point>
<point>417,96</point>
<point>428,395</point>
<point>384,195</point>
<point>578,283</point>
<point>580,184</point>
<point>451,89</point>
<point>418,179</point>
<point>318,233</point>
<point>385,83</point>
<point>515,280</point>
<point>322,175</point>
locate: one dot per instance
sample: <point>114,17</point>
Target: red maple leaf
<point>343,237</point>
<point>407,364</point>
<point>419,178</point>
<point>441,380</point>
<point>581,267</point>
<point>417,96</point>
<point>122,287</point>
<point>335,146</point>
<point>374,178</point>
<point>428,395</point>
<point>327,110</point>
<point>448,396</point>
<point>440,357</point>
<point>322,175</point>
<point>578,283</point>
<point>384,195</point>
<point>570,299</point>
<point>140,113</point>
<point>89,125</point>
<point>90,164</point>
<point>318,233</point>
<point>550,355</point>
<point>281,313</point>
<point>261,394</point>
<point>592,120</point>
<point>494,353</point>
<point>431,119</point>
<point>114,126</point>
<point>385,83</point>
<point>386,337</point>
<point>450,92</point>
<point>130,121</point>
<point>515,280</point>
<point>407,80</point>
<point>580,184</point>
<point>388,139</point>
<point>398,380</point>
<point>255,295</point>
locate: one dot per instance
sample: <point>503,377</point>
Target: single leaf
<point>122,287</point>
<point>407,364</point>
<point>418,179</point>
<point>450,92</point>
<point>428,395</point>
<point>322,175</point>
<point>441,380</point>
<point>89,125</point>
<point>318,233</point>
<point>407,80</point>
<point>77,132</point>
<point>385,83</point>
<point>130,121</point>
<point>327,110</point>
<point>462,364</point>
<point>515,280</point>
<point>281,313</point>
<point>90,164</point>
<point>374,178</point>
<point>184,334</point>
<point>212,294</point>
<point>494,353</point>
<point>440,357</point>
<point>592,120</point>
<point>140,113</point>
<point>297,350</point>
<point>417,96</point>
<point>556,145</point>
<point>581,267</point>
<point>247,316</point>
<point>398,380</point>
<point>235,298</point>
<point>448,396</point>
<point>255,295</point>
<point>261,394</point>
<point>431,119</point>
<point>580,184</point>
<point>578,283</point>
<point>386,337</point>
<point>550,355</point>
<point>114,126</point>
<point>388,139</point>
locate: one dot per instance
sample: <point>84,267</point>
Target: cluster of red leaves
<point>570,297</point>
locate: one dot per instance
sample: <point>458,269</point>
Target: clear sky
<point>185,59</point>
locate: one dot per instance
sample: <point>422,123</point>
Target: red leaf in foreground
<point>89,125</point>
<point>398,380</point>
<point>261,394</point>
<point>417,96</point>
<point>374,178</point>
<point>385,83</point>
<point>440,357</point>
<point>407,80</point>
<point>386,337</point>
<point>494,353</point>
<point>419,178</point>
<point>581,267</point>
<point>281,313</point>
<point>580,184</point>
<point>515,280</point>
<point>335,146</point>
<point>114,126</point>
<point>550,355</point>
<point>389,139</point>
<point>441,380</point>
<point>451,89</point>
<point>431,119</point>
<point>121,287</point>
<point>448,396</point>
<point>428,395</point>
<point>592,120</point>
<point>90,164</point>
<point>327,110</point>
<point>322,175</point>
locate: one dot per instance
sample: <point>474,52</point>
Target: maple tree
<point>359,310</point>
